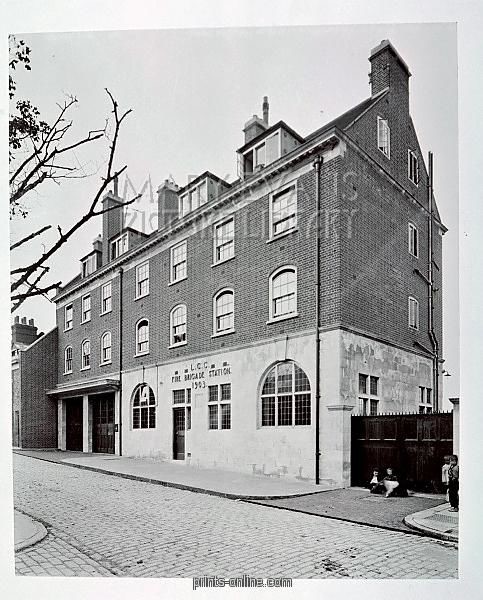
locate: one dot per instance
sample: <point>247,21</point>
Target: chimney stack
<point>168,203</point>
<point>112,222</point>
<point>265,108</point>
<point>388,70</point>
<point>23,333</point>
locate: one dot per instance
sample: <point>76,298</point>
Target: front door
<point>178,433</point>
<point>103,423</point>
<point>73,420</point>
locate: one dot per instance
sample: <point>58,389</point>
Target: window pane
<point>374,386</point>
<point>213,416</point>
<point>178,396</point>
<point>225,391</point>
<point>302,409</point>
<point>152,417</point>
<point>363,406</point>
<point>268,411</point>
<point>301,380</point>
<point>212,393</point>
<point>144,417</point>
<point>269,385</point>
<point>135,418</point>
<point>362,384</point>
<point>225,416</point>
<point>374,407</point>
<point>188,417</point>
<point>285,410</point>
<point>284,378</point>
<point>283,292</point>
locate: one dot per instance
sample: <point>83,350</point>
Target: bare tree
<point>44,156</point>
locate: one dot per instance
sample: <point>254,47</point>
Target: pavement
<point>426,514</point>
<point>232,484</point>
<point>27,532</point>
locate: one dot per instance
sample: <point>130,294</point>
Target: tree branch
<point>92,212</point>
<point>29,237</point>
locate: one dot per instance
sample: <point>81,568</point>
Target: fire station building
<point>246,330</point>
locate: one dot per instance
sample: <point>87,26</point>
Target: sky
<point>191,92</point>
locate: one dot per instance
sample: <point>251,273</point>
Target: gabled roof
<point>343,121</point>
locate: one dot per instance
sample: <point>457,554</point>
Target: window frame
<point>86,367</point>
<point>217,245</point>
<point>71,306</point>
<point>277,395</point>
<point>103,348</point>
<point>413,236</point>
<point>71,359</point>
<point>122,241</point>
<point>272,318</point>
<point>139,282</point>
<point>104,286</point>
<point>172,343</point>
<point>150,405</point>
<point>219,332</point>
<point>285,189</point>
<point>137,328</point>
<point>218,403</point>
<point>413,160</point>
<point>186,404</point>
<point>380,145</point>
<point>369,394</point>
<point>85,297</point>
<point>426,402</point>
<point>172,265</point>
<point>412,301</point>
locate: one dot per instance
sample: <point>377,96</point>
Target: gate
<point>414,445</point>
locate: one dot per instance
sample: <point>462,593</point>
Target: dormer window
<point>193,199</point>
<point>119,246</point>
<point>262,154</point>
<point>89,265</point>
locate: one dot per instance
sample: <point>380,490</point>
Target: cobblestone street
<point>99,525</point>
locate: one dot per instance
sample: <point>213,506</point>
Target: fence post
<point>456,425</point>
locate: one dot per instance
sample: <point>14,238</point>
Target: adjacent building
<point>245,331</point>
<point>34,371</point>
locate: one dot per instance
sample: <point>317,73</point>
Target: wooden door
<point>73,418</point>
<point>103,424</point>
<point>179,428</point>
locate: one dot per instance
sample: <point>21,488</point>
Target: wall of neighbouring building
<point>38,372</point>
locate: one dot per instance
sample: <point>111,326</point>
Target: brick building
<point>34,370</point>
<point>198,342</point>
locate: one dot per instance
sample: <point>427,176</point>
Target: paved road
<point>104,525</point>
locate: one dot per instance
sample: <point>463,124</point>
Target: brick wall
<point>38,365</point>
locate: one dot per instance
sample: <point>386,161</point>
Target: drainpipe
<point>432,335</point>
<point>317,164</point>
<point>120,359</point>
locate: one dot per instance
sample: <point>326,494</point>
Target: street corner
<point>27,532</point>
<point>438,522</point>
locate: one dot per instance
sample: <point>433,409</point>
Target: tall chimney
<point>168,203</point>
<point>112,222</point>
<point>388,70</point>
<point>265,108</point>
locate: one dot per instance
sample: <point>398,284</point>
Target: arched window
<point>106,346</point>
<point>142,337</point>
<point>86,355</point>
<point>223,312</point>
<point>283,293</point>
<point>285,397</point>
<point>177,320</point>
<point>143,408</point>
<point>68,360</point>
